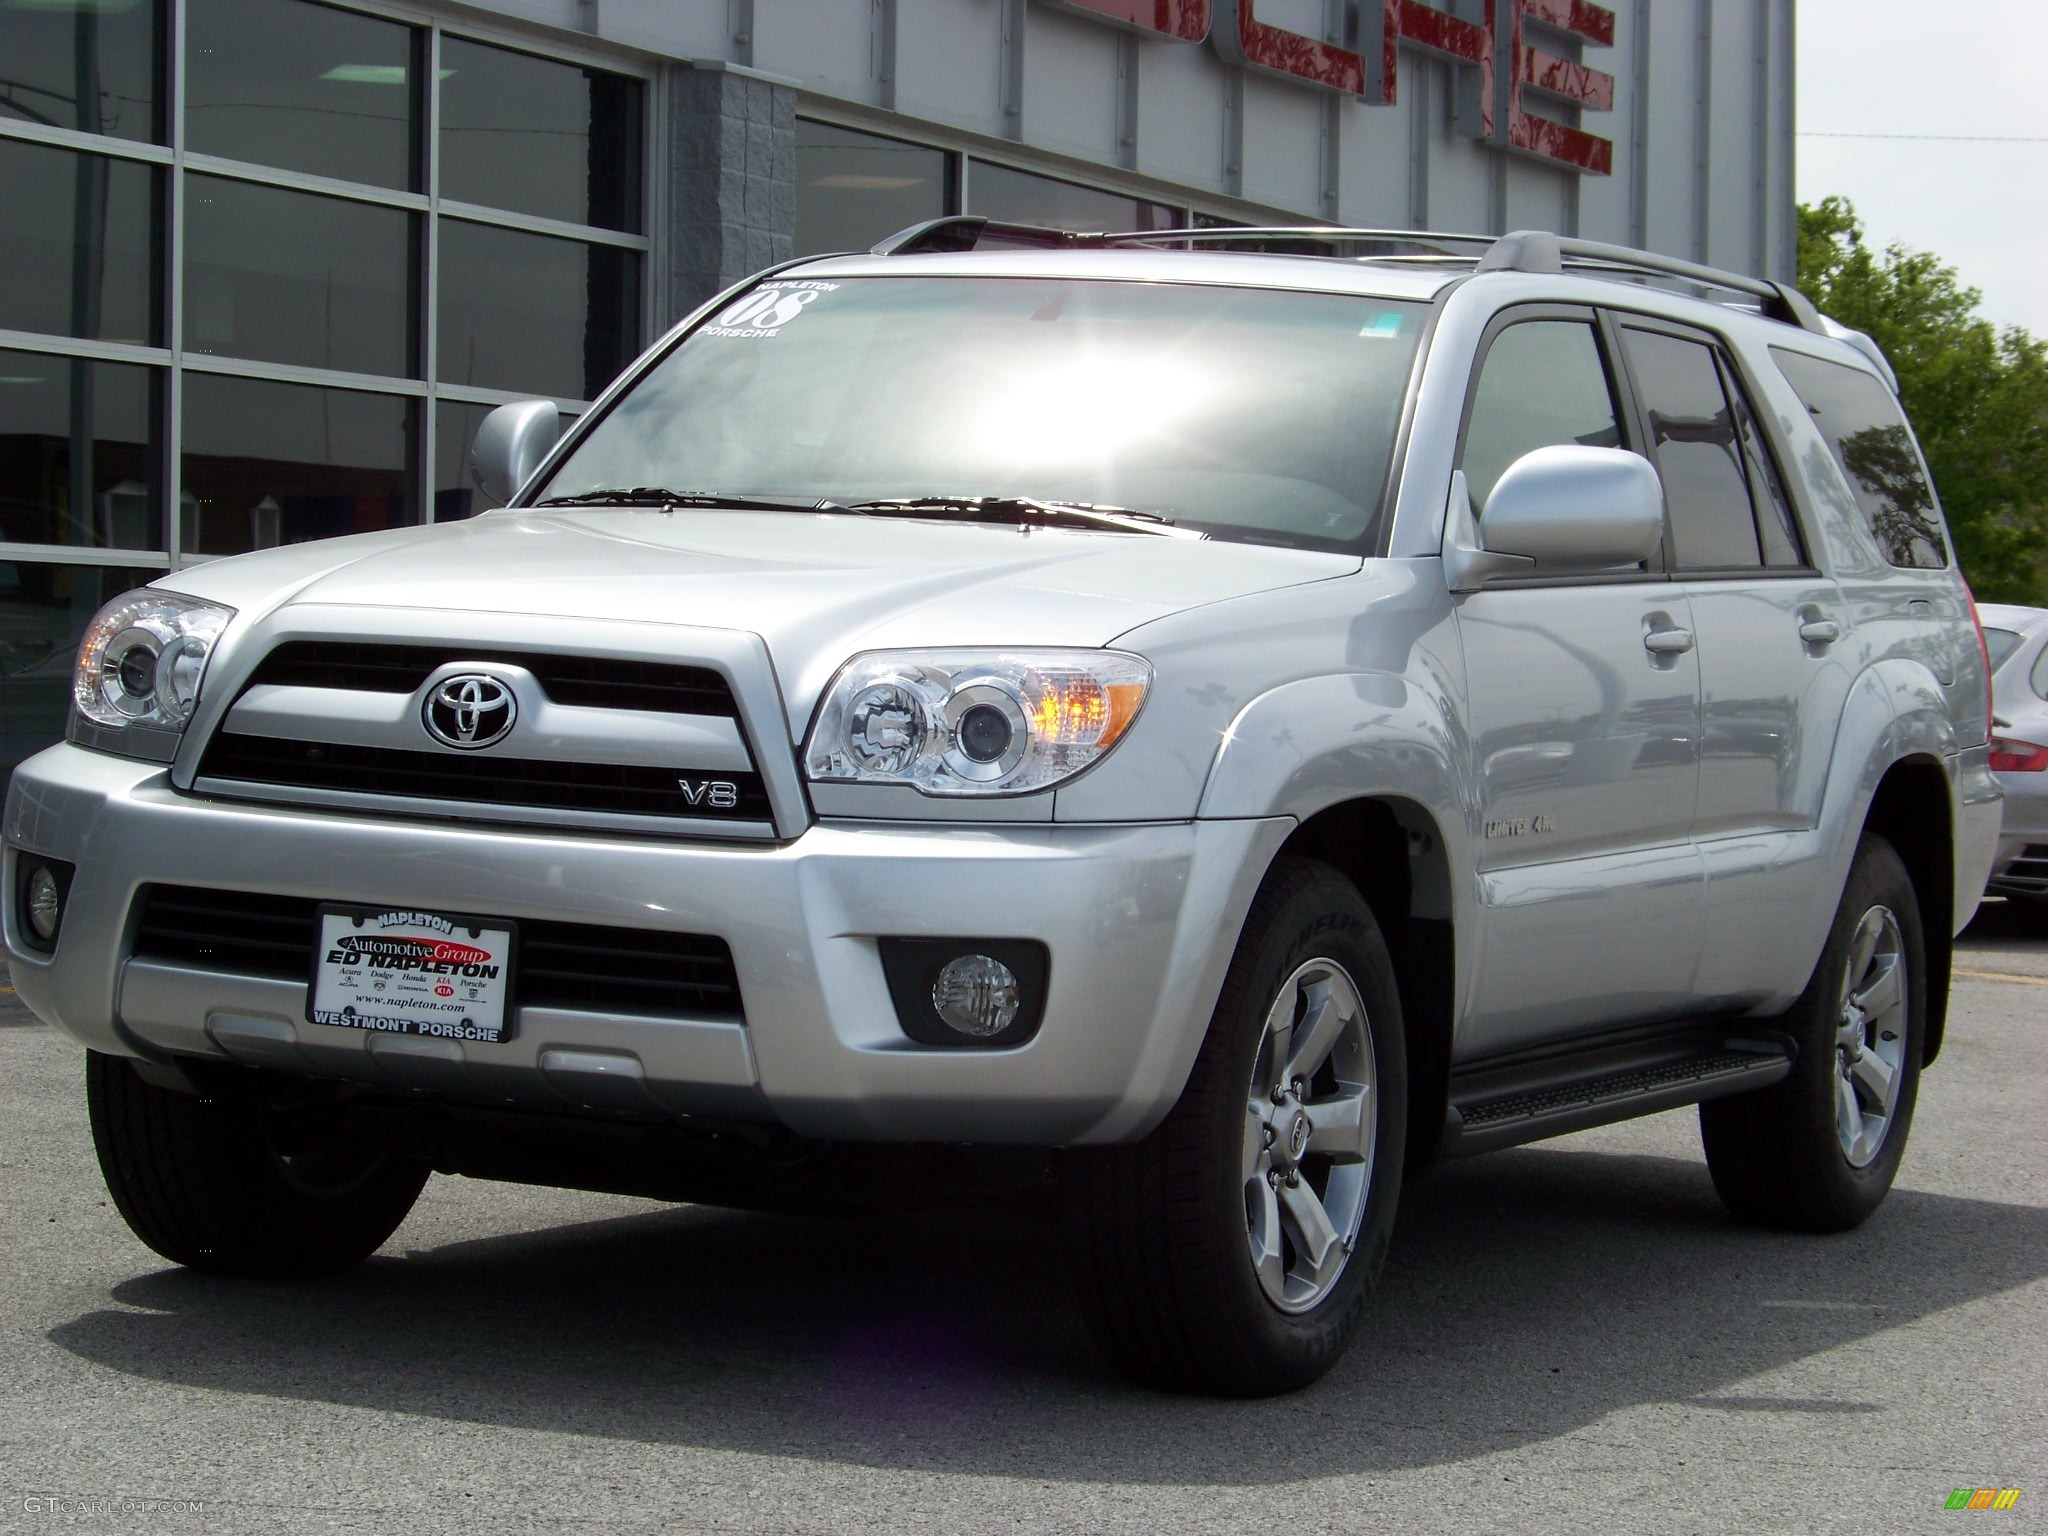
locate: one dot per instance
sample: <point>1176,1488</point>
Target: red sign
<point>1503,71</point>
<point>1244,39</point>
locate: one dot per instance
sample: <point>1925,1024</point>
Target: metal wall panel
<point>1700,128</point>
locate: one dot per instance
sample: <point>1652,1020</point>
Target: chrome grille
<point>630,743</point>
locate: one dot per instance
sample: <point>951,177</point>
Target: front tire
<point>1818,1151</point>
<point>1233,1250</point>
<point>215,1181</point>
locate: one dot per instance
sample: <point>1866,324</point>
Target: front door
<point>1583,701</point>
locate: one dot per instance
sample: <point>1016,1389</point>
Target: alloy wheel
<point>1311,1127</point>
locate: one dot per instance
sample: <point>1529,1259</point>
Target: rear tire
<point>1233,1250</point>
<point>1817,1152</point>
<point>202,1180</point>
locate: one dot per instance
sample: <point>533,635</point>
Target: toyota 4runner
<point>1213,720</point>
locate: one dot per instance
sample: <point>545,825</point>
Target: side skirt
<point>1551,1090</point>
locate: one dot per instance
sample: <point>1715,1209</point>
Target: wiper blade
<point>660,498</point>
<point>1026,511</point>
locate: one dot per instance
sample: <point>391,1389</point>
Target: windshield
<point>1244,413</point>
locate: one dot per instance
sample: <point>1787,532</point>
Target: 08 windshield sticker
<point>765,311</point>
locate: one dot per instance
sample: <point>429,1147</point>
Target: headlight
<point>141,663</point>
<point>974,722</point>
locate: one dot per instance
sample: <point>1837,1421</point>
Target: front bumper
<point>1140,921</point>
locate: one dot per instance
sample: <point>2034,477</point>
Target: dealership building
<point>265,264</point>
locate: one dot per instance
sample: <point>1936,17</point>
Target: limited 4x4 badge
<point>1521,826</point>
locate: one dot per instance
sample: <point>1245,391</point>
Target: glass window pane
<point>854,189</point>
<point>539,136</point>
<point>1693,441</point>
<point>43,611</point>
<point>2040,675</point>
<point>77,244</point>
<point>1542,384</point>
<point>292,278</point>
<point>1868,435</point>
<point>1018,197</point>
<point>456,495</point>
<point>268,464</point>
<point>1780,529</point>
<point>1999,644</point>
<point>533,313</point>
<point>1265,415</point>
<point>77,459</point>
<point>109,47</point>
<point>306,87</point>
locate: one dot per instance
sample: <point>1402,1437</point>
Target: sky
<point>1958,67</point>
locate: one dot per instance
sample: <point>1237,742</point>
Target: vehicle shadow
<point>1528,1294</point>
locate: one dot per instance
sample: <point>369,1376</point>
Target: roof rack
<point>1525,250</point>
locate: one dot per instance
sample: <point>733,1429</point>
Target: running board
<point>1552,1091</point>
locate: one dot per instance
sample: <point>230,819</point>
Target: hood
<point>817,588</point>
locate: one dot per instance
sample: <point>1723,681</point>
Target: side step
<point>1551,1091</point>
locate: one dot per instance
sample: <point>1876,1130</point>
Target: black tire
<point>200,1179</point>
<point>1777,1156</point>
<point>1167,1274</point>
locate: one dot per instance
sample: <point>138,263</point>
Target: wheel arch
<point>1910,809</point>
<point>1366,763</point>
<point>1393,850</point>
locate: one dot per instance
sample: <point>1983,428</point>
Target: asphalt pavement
<point>1569,1337</point>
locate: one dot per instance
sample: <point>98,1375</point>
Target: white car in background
<point>2017,643</point>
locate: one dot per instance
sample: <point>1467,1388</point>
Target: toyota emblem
<point>469,710</point>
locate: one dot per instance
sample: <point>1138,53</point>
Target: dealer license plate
<point>412,973</point>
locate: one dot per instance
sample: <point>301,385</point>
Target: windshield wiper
<point>661,499</point>
<point>1026,511</point>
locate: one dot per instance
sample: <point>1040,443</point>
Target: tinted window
<point>77,464</point>
<point>1249,413</point>
<point>43,46</point>
<point>267,464</point>
<point>1698,453</point>
<point>292,278</point>
<point>1018,197</point>
<point>853,189</point>
<point>1774,520</point>
<point>1867,432</point>
<point>534,313</point>
<point>539,136</point>
<point>70,275</point>
<point>1542,384</point>
<point>2000,644</point>
<point>2040,677</point>
<point>306,87</point>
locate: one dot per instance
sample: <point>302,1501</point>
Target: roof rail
<point>1523,250</point>
<point>1536,250</point>
<point>965,232</point>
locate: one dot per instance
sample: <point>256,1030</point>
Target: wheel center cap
<point>1290,1142</point>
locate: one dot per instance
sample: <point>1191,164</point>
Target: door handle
<point>1820,631</point>
<point>1668,642</point>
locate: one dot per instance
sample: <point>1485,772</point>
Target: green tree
<point>1977,396</point>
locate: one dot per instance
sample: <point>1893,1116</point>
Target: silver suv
<point>1202,723</point>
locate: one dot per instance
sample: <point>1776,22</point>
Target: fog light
<point>45,903</point>
<point>977,995</point>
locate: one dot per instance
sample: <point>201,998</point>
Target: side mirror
<point>510,445</point>
<point>1562,508</point>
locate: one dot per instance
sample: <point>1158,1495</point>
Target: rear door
<point>1769,626</point>
<point>1584,738</point>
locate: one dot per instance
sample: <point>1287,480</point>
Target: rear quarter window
<point>1868,435</point>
